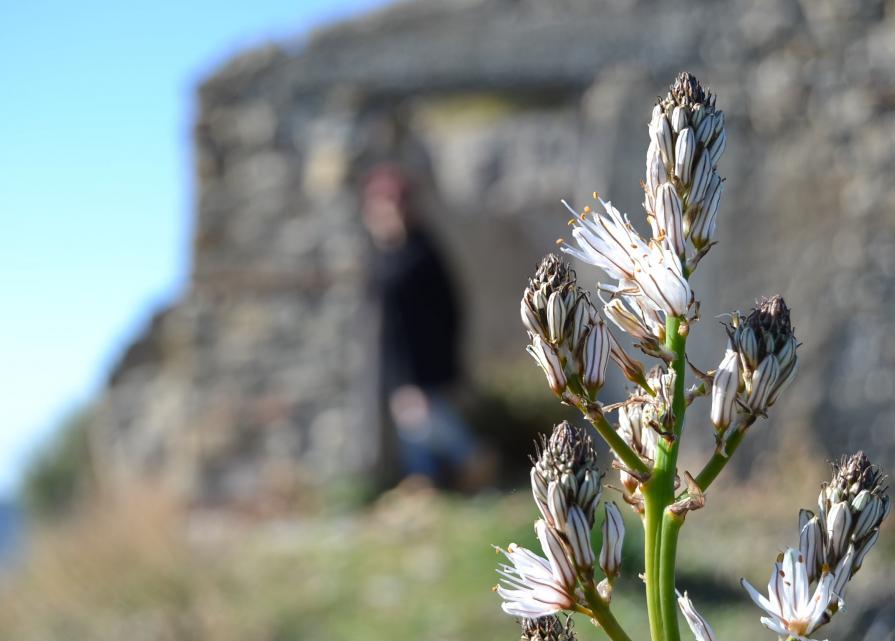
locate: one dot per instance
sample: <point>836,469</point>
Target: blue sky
<point>96,108</point>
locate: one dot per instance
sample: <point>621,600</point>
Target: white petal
<point>776,625</point>
<point>760,599</point>
<point>698,625</point>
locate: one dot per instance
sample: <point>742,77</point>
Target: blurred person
<point>419,334</point>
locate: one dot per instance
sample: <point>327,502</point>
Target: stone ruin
<point>257,380</point>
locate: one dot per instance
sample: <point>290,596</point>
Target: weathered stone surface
<point>254,383</point>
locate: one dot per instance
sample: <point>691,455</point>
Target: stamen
<point>569,207</point>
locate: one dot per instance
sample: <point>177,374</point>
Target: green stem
<point>671,527</point>
<point>722,455</point>
<point>658,493</point>
<point>652,524</point>
<point>602,614</point>
<point>666,469</point>
<point>672,523</point>
<point>617,443</point>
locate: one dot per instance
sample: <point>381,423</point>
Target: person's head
<point>385,211</point>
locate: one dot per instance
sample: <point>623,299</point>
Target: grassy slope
<point>417,566</point>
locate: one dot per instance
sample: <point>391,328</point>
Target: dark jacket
<point>420,322</point>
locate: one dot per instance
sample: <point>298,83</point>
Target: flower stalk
<point>659,494</point>
<point>603,615</point>
<point>722,455</point>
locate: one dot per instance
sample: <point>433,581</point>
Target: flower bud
<point>669,217</point>
<point>702,230</point>
<point>548,300</point>
<point>748,347</point>
<point>717,147</point>
<point>545,356</point>
<point>724,390</point>
<point>577,532</point>
<point>656,174</point>
<point>613,538</point>
<point>842,574</point>
<point>766,345</point>
<point>697,114</point>
<point>761,385</point>
<point>706,129</point>
<point>539,489</point>
<point>687,135</point>
<point>588,494</point>
<point>701,178</point>
<point>660,134</point>
<point>569,483</point>
<point>869,509</point>
<point>852,506</point>
<point>684,151</point>
<point>531,318</point>
<point>679,119</point>
<point>864,548</point>
<point>567,464</point>
<point>633,429</point>
<point>551,543</point>
<point>719,123</point>
<point>811,543</point>
<point>687,91</point>
<point>633,370</point>
<point>581,318</point>
<point>557,503</point>
<point>547,628</point>
<point>595,357</point>
<point>789,366</point>
<point>556,317</point>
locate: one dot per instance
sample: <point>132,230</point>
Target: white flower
<point>629,319</point>
<point>700,627</point>
<point>793,610</point>
<point>533,586</point>
<point>609,242</point>
<point>662,281</point>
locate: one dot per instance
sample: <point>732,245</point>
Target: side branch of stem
<point>602,614</point>
<point>722,454</point>
<point>624,452</point>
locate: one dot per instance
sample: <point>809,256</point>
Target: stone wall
<point>257,382</point>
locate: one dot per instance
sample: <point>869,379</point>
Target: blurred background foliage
<point>60,475</point>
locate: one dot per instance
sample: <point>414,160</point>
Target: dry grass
<point>416,566</point>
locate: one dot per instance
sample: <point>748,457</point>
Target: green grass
<point>415,566</point>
